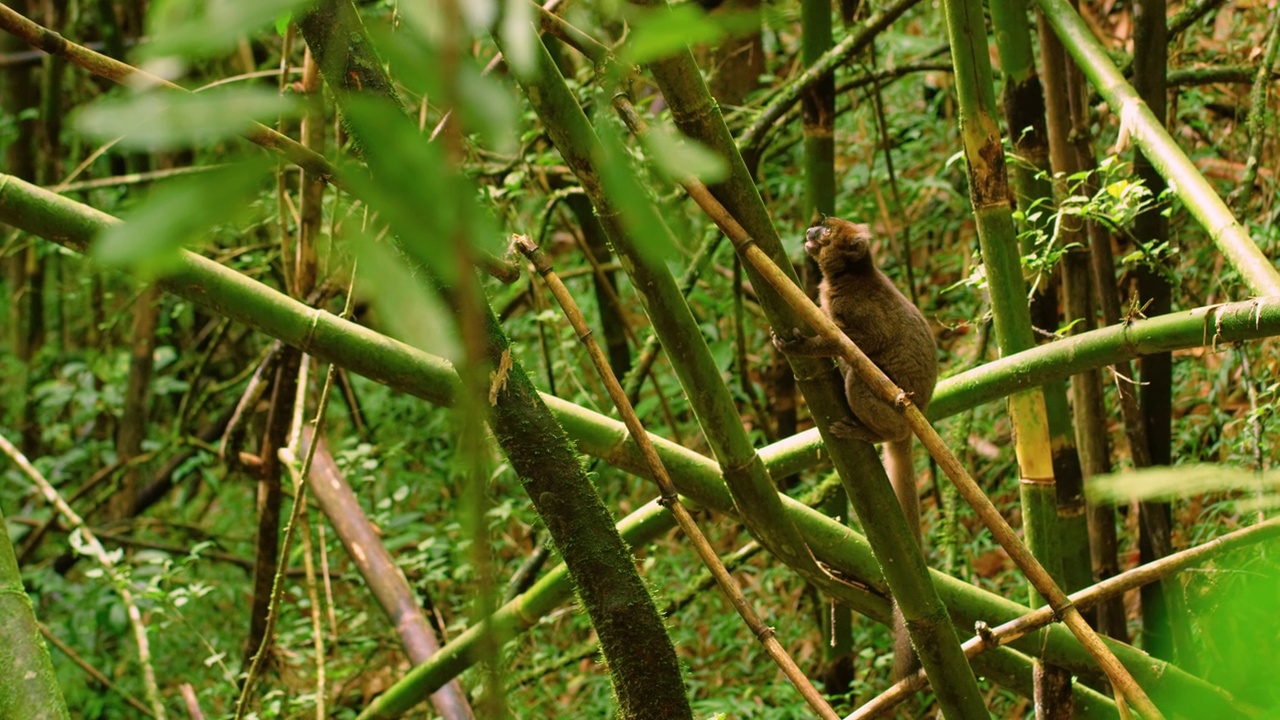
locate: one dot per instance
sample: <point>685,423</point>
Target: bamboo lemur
<point>895,336</point>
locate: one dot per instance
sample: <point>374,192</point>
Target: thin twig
<point>94,549</point>
<point>299,505</point>
<point>90,670</point>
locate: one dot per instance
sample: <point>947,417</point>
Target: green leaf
<point>677,157</point>
<point>165,120</point>
<point>632,198</point>
<point>1170,482</point>
<point>179,212</point>
<point>661,32</point>
<point>412,312</point>
<point>200,28</point>
<point>414,188</point>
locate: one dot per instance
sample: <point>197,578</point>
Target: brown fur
<point>896,337</point>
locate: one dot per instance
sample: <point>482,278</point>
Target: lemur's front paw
<point>853,430</point>
<point>844,429</point>
<point>786,345</point>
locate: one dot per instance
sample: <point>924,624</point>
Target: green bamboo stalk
<point>933,637</point>
<point>1148,133</point>
<point>1038,462</point>
<point>30,685</point>
<point>1025,113</point>
<point>1208,326</point>
<point>818,105</point>
<point>1023,100</point>
<point>431,378</point>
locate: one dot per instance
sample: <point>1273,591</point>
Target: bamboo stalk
<point>1052,504</point>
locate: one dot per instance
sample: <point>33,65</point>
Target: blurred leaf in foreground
<point>200,28</point>
<point>1166,483</point>
<point>179,212</point>
<point>160,119</point>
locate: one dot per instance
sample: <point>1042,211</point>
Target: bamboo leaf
<point>200,28</point>
<point>161,120</point>
<point>178,212</point>
<point>678,157</point>
<point>417,192</point>
<point>1163,483</point>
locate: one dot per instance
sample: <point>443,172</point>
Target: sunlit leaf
<point>179,212</point>
<point>199,28</point>
<point>163,120</point>
<point>661,32</point>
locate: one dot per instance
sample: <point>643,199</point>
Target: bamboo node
<point>765,633</point>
